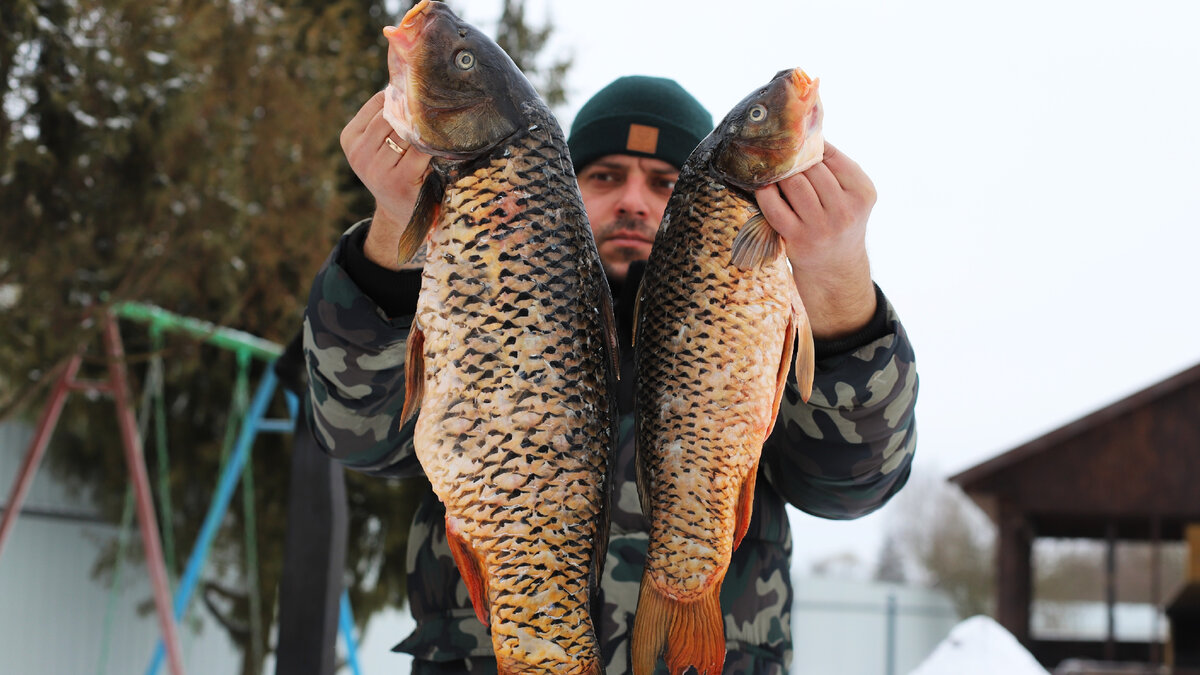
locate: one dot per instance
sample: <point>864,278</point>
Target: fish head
<point>773,133</point>
<point>452,91</point>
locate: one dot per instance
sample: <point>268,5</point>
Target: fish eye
<point>465,60</point>
<point>757,113</point>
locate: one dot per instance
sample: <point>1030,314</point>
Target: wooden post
<point>1192,533</point>
<point>1156,587</point>
<point>1014,582</point>
<point>1110,589</point>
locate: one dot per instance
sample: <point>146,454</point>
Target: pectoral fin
<point>806,350</point>
<point>756,243</point>
<point>472,571</point>
<point>425,215</point>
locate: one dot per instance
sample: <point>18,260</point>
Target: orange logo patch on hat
<point>642,138</point>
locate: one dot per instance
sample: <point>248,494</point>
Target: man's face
<point>625,197</point>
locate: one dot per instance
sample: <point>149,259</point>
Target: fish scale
<point>515,366</point>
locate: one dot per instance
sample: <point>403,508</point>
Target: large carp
<point>512,352</point>
<point>718,322</point>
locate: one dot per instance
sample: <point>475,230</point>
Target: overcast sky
<point>1038,170</point>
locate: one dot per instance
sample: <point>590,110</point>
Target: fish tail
<point>688,634</point>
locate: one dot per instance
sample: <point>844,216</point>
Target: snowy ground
<point>980,646</point>
<point>977,646</point>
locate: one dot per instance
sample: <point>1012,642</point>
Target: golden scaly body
<point>515,426</point>
<point>710,346</point>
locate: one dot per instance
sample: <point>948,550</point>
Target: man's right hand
<point>393,178</point>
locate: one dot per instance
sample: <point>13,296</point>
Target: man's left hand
<point>821,213</point>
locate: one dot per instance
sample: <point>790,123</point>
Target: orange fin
<point>686,634</point>
<point>745,506</point>
<point>785,363</point>
<point>756,243</point>
<point>425,215</point>
<point>806,351</point>
<point>469,567</point>
<point>414,373</point>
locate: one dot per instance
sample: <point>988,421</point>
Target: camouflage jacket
<point>841,455</point>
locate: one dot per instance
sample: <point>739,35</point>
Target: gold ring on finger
<point>395,146</point>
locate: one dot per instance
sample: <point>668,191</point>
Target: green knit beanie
<point>641,116</point>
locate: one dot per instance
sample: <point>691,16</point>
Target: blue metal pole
<point>293,404</point>
<point>216,512</point>
<point>346,623</point>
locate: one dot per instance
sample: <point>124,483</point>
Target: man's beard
<point>625,223</point>
<point>623,255</point>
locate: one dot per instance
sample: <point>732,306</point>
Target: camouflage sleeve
<point>850,448</point>
<point>355,355</point>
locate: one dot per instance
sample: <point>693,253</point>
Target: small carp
<point>512,354</point>
<point>718,322</point>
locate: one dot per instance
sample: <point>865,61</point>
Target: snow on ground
<point>980,646</point>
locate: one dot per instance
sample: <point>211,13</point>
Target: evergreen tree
<point>525,44</point>
<point>890,566</point>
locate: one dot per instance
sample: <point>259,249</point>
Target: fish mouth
<point>411,26</point>
<point>808,123</point>
<point>806,87</point>
<point>402,40</point>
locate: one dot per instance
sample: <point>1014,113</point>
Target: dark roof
<point>1129,469</point>
<point>1104,416</point>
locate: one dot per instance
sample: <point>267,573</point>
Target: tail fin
<point>688,634</point>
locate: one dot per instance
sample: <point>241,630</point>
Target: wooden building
<point>1127,472</point>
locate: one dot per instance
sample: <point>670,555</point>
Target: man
<point>842,455</point>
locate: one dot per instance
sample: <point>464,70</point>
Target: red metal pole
<point>37,447</point>
<point>141,486</point>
